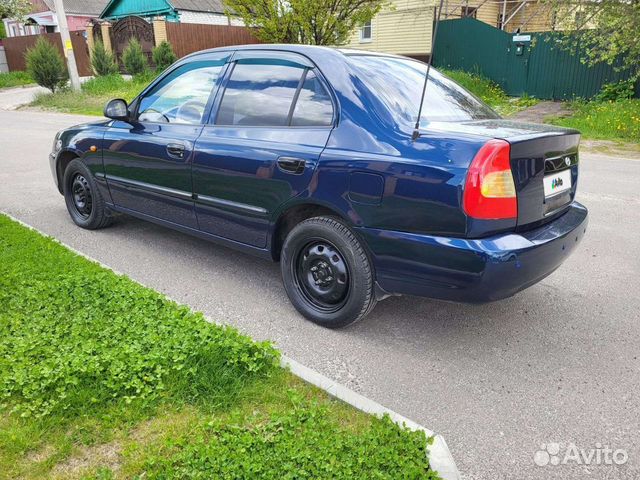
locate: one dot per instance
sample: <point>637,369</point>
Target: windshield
<point>398,83</point>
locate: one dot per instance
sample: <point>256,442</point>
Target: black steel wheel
<point>326,273</point>
<point>83,198</point>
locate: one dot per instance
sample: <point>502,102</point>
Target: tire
<point>326,273</point>
<point>84,201</point>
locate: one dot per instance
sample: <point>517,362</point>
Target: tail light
<point>489,191</point>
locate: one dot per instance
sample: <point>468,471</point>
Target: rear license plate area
<point>557,190</point>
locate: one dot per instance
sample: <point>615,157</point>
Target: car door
<point>271,121</point>
<point>147,161</point>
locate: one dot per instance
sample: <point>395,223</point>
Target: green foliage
<point>303,442</point>
<point>15,8</point>
<point>616,91</point>
<point>102,61</point>
<point>92,362</point>
<point>608,30</point>
<point>163,56</point>
<point>3,32</point>
<point>46,66</point>
<point>490,92</point>
<point>94,95</point>
<point>133,58</point>
<point>610,120</point>
<point>14,79</point>
<point>314,22</point>
<point>73,334</point>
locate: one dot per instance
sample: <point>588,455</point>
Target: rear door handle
<point>175,150</point>
<point>291,165</point>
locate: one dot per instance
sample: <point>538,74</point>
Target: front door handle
<point>175,150</point>
<point>291,165</point>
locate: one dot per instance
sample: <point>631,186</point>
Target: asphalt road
<point>559,362</point>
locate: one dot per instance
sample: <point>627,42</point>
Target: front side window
<point>182,96</point>
<point>397,83</point>
<point>260,93</point>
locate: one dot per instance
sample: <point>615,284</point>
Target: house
<point>405,27</point>
<point>208,12</point>
<point>42,18</point>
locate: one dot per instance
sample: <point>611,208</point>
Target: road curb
<point>440,458</point>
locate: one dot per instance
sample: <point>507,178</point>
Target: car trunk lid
<point>540,155</point>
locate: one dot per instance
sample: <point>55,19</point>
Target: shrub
<point>102,61</point>
<point>616,91</point>
<point>46,66</point>
<point>135,63</point>
<point>163,55</point>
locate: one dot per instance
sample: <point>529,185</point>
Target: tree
<point>163,55</point>
<point>315,22</point>
<point>46,66</point>
<point>135,63</point>
<point>17,9</point>
<point>102,61</point>
<point>605,29</point>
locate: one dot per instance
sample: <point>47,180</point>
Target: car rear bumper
<point>473,270</point>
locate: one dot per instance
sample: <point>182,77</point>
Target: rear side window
<point>397,83</point>
<point>313,107</point>
<point>260,94</point>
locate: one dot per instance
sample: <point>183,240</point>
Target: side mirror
<point>117,110</point>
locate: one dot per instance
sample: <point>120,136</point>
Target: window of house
<point>365,32</point>
<point>181,96</point>
<point>471,12</point>
<point>313,107</point>
<point>260,93</point>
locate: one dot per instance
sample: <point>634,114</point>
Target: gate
<point>531,63</point>
<point>132,27</point>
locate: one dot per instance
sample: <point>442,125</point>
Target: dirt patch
<point>541,111</point>
<point>107,455</point>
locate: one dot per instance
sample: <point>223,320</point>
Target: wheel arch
<point>64,158</point>
<point>292,215</point>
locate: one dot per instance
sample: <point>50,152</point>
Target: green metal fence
<point>531,63</point>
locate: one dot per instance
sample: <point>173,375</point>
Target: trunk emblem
<point>567,161</point>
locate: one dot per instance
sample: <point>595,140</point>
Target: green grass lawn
<point>15,79</point>
<point>103,378</point>
<point>618,120</point>
<point>489,92</point>
<point>95,93</point>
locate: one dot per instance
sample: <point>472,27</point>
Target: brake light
<point>489,191</point>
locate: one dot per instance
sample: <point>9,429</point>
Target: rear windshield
<point>398,83</point>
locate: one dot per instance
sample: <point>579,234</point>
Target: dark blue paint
<point>401,197</point>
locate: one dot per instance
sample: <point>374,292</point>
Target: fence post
<point>89,30</point>
<point>105,28</point>
<point>159,31</point>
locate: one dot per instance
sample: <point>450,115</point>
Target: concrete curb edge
<point>440,458</point>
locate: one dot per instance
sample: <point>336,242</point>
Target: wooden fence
<point>16,47</point>
<point>186,38</point>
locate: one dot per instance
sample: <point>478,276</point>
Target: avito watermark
<point>552,454</point>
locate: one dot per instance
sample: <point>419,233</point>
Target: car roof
<point>310,51</point>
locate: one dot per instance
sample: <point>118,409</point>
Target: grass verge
<point>15,79</point>
<point>489,92</point>
<point>619,120</point>
<point>93,96</point>
<point>103,378</point>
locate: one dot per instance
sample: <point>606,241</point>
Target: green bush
<point>616,91</point>
<point>14,79</point>
<point>102,61</point>
<point>46,66</point>
<point>163,55</point>
<point>133,58</point>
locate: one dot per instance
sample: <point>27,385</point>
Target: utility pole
<point>67,47</point>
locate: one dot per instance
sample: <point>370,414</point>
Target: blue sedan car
<point>305,155</point>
